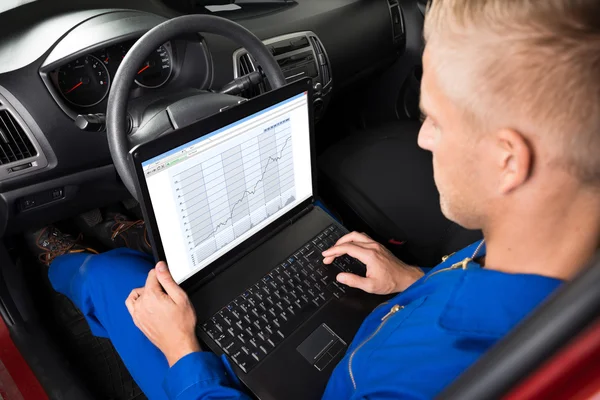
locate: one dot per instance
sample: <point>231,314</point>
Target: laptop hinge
<point>300,215</point>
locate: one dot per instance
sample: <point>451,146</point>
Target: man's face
<point>459,162</point>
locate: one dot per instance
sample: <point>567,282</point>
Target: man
<point>511,90</point>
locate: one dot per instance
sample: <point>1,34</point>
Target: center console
<point>299,55</point>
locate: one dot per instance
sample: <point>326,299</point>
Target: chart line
<point>246,193</point>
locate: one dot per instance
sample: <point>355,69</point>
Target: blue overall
<point>410,347</point>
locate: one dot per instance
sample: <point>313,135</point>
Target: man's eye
<point>422,117</point>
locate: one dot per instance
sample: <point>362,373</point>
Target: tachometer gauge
<point>84,82</point>
<point>156,71</point>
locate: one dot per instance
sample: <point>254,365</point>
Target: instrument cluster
<point>85,82</point>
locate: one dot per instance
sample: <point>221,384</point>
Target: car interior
<point>59,165</point>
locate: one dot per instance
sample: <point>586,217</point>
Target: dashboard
<point>85,81</point>
<point>58,61</point>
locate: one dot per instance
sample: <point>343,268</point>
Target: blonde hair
<point>533,64</point>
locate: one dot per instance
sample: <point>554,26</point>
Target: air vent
<point>323,61</point>
<point>397,21</point>
<point>15,145</point>
<point>245,66</point>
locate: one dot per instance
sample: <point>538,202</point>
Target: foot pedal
<point>91,218</point>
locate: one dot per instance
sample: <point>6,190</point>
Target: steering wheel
<point>167,114</point>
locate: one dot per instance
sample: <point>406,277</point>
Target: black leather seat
<point>380,179</point>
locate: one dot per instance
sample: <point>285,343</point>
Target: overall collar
<point>487,304</point>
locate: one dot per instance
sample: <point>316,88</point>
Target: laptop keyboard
<point>258,320</point>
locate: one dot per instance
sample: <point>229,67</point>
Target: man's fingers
<point>362,239</point>
<point>354,237</point>
<point>168,283</point>
<point>355,281</point>
<point>356,250</point>
<point>133,296</point>
<point>152,283</point>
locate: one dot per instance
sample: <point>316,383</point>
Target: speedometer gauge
<point>84,82</point>
<point>156,71</point>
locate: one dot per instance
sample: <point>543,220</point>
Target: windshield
<point>6,5</point>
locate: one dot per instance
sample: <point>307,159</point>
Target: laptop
<point>229,202</point>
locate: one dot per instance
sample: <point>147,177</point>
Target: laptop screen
<point>211,194</point>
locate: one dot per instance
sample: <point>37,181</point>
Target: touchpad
<point>321,347</point>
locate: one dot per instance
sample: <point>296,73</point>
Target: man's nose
<point>425,139</point>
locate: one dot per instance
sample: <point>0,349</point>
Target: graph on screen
<point>226,195</point>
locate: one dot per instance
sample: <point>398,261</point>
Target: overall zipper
<point>385,318</point>
<point>461,264</point>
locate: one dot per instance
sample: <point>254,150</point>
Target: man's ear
<point>515,159</point>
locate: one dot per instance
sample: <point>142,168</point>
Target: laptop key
<point>221,338</point>
<point>259,296</point>
<point>227,320</point>
<point>335,290</point>
<point>343,288</point>
<point>251,331</point>
<point>243,307</point>
<point>240,325</point>
<point>279,306</point>
<point>287,300</point>
<point>245,361</point>
<point>325,295</point>
<point>268,290</point>
<point>256,355</point>
<point>210,330</point>
<point>232,345</point>
<point>269,329</point>
<point>220,327</point>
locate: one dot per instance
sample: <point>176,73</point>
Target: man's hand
<point>385,273</point>
<point>166,316</point>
